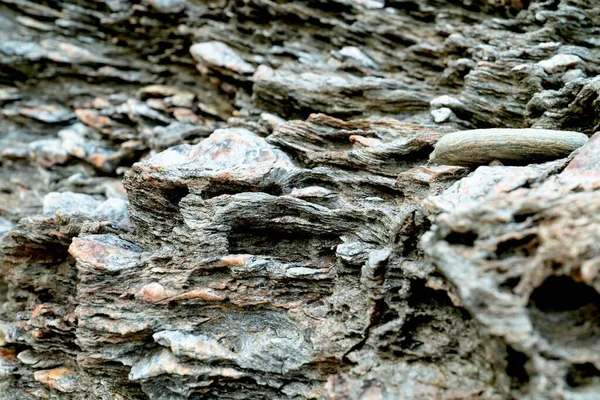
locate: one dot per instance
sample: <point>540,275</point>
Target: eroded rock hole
<point>583,375</point>
<point>174,196</point>
<point>464,238</point>
<point>515,367</point>
<point>229,188</point>
<point>289,246</point>
<point>522,217</point>
<point>525,246</point>
<point>566,313</point>
<point>510,283</point>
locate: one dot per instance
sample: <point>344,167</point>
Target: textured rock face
<point>522,256</point>
<point>291,270</point>
<point>235,199</point>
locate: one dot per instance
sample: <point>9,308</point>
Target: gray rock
<point>561,62</point>
<point>268,257</point>
<point>334,94</point>
<point>509,146</point>
<point>48,152</point>
<point>69,203</point>
<point>168,6</point>
<point>511,239</point>
<point>49,113</point>
<point>219,55</point>
<point>83,142</point>
<point>572,75</point>
<point>441,114</point>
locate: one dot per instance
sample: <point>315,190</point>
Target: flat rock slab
<point>509,146</point>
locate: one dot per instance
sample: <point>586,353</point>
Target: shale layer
<point>269,200</point>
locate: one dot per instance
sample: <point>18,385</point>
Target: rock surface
<point>522,256</point>
<point>509,146</point>
<point>235,200</point>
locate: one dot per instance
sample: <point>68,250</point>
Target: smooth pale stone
<point>573,74</point>
<point>219,55</point>
<point>371,4</point>
<point>358,56</point>
<point>560,61</point>
<point>446,101</point>
<point>509,146</point>
<point>441,114</point>
<point>167,6</point>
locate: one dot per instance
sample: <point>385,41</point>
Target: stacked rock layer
<point>241,199</point>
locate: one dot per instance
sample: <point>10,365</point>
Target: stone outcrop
<point>268,200</point>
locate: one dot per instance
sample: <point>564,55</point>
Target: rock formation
<point>269,200</point>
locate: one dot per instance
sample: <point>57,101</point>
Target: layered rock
<point>520,250</point>
<point>276,162</point>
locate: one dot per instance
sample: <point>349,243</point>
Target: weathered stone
<point>560,62</point>
<point>274,258</point>
<point>441,114</point>
<point>509,146</point>
<point>49,113</point>
<point>48,152</point>
<point>168,6</point>
<point>333,94</point>
<point>219,55</point>
<point>520,255</point>
<point>356,56</point>
<point>84,143</point>
<point>61,379</point>
<point>69,203</point>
